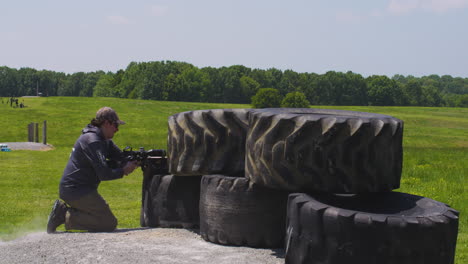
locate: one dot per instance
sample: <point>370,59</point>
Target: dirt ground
<point>144,245</point>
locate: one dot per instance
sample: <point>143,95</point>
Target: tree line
<point>181,81</point>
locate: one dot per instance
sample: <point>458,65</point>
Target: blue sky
<point>409,37</point>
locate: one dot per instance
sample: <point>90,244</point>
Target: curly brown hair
<point>97,122</point>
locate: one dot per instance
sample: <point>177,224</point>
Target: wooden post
<point>30,132</point>
<point>44,133</point>
<point>36,132</point>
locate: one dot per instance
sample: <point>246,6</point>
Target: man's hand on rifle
<point>130,167</point>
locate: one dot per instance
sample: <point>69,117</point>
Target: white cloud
<point>118,20</point>
<point>157,10</point>
<point>401,7</point>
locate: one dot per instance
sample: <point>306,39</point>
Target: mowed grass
<point>435,156</point>
<point>29,179</point>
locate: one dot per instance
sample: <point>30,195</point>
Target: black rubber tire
<point>208,142</point>
<point>144,211</point>
<point>151,168</point>
<point>174,201</point>
<point>324,150</point>
<point>144,207</point>
<point>380,228</point>
<point>235,212</point>
<point>146,215</point>
<point>149,218</point>
<point>178,200</point>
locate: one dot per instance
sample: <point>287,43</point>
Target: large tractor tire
<point>233,211</point>
<point>324,150</point>
<point>146,212</point>
<point>153,167</point>
<point>208,142</point>
<point>173,201</point>
<point>380,228</point>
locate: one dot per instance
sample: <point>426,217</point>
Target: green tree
<point>131,83</point>
<point>249,86</point>
<point>89,83</point>
<point>431,96</point>
<point>63,87</point>
<point>105,86</point>
<point>339,88</point>
<point>384,91</point>
<point>309,87</point>
<point>169,89</point>
<point>274,76</point>
<point>8,82</point>
<point>462,100</point>
<point>28,81</point>
<point>355,90</point>
<point>295,100</point>
<point>261,77</point>
<point>72,85</point>
<point>414,92</point>
<point>230,85</point>
<point>266,98</point>
<point>152,81</point>
<point>190,83</point>
<point>290,82</point>
<point>213,93</point>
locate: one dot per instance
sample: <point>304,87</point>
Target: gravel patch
<point>144,245</point>
<point>28,146</point>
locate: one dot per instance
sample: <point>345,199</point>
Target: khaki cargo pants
<point>91,213</point>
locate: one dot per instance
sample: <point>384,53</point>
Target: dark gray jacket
<point>89,164</point>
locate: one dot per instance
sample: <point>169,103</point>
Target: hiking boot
<point>57,216</point>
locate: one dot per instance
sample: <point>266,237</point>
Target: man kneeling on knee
<point>94,158</point>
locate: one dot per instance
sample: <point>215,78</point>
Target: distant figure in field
<point>89,164</point>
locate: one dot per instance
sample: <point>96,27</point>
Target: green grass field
<point>435,156</point>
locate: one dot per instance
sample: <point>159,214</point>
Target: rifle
<point>153,161</point>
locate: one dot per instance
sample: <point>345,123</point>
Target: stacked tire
<point>345,165</point>
<point>324,150</point>
<point>171,202</point>
<point>233,210</point>
<point>387,227</point>
<point>168,201</point>
<point>199,142</point>
<point>319,182</point>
